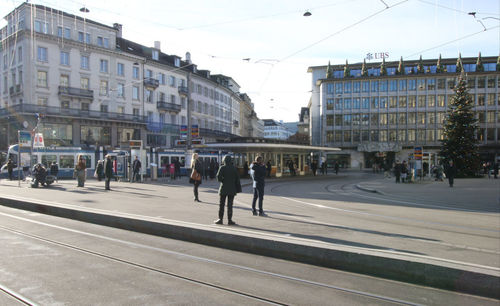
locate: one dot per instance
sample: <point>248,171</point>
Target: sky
<point>266,46</point>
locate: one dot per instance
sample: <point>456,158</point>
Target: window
<point>412,84</point>
<point>85,106</point>
<point>347,103</point>
<point>347,120</point>
<point>84,62</point>
<point>412,102</point>
<point>338,104</point>
<point>42,54</point>
<point>64,58</point>
<point>155,55</point>
<point>356,87</point>
<point>481,82</point>
<point>491,99</point>
<point>491,82</point>
<point>172,83</point>
<point>338,120</point>
<point>338,88</point>
<point>120,90</point>
<point>329,136</point>
<point>347,136</point>
<point>431,84</point>
<point>42,101</point>
<point>120,69</point>
<point>421,84</point>
<point>67,33</point>
<point>135,112</point>
<point>431,101</point>
<point>149,96</point>
<point>365,103</point>
<point>374,120</point>
<point>135,93</point>
<point>104,66</point>
<point>103,88</point>
<point>431,118</point>
<point>329,120</point>
<point>64,80</point>
<point>42,78</point>
<point>355,103</point>
<point>441,84</point>
<point>84,83</point>
<point>329,88</point>
<point>383,119</point>
<point>402,118</point>
<point>161,78</point>
<point>374,86</point>
<point>402,85</point>
<point>441,101</point>
<point>104,108</point>
<point>471,82</point>
<point>382,86</point>
<point>20,54</point>
<point>65,104</point>
<point>421,101</point>
<point>100,42</point>
<point>106,42</point>
<point>121,110</point>
<point>401,136</point>
<point>411,135</point>
<point>135,72</point>
<point>41,26</point>
<point>402,102</point>
<point>393,119</point>
<point>451,83</point>
<point>431,136</point>
<point>366,86</point>
<point>374,102</point>
<point>329,104</point>
<point>393,102</point>
<point>393,85</point>
<point>87,38</point>
<point>81,37</point>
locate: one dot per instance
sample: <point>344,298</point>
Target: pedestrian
<point>172,171</point>
<point>229,186</point>
<point>336,166</point>
<point>404,172</point>
<point>322,168</point>
<point>80,170</point>
<point>99,170</point>
<point>245,170</point>
<point>108,171</point>
<point>387,169</point>
<point>314,167</point>
<point>291,168</point>
<point>269,168</point>
<point>206,168</point>
<point>258,173</point>
<point>397,171</point>
<point>136,168</point>
<point>54,169</point>
<point>212,169</point>
<point>177,168</point>
<point>450,172</point>
<point>495,170</point>
<point>10,168</point>
<point>195,178</point>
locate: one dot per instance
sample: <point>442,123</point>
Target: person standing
<point>212,169</point>
<point>10,168</point>
<point>177,168</point>
<point>172,171</point>
<point>54,169</point>
<point>195,179</point>
<point>99,170</point>
<point>451,171</point>
<point>245,170</point>
<point>136,167</point>
<point>80,171</point>
<point>397,171</point>
<point>258,173</point>
<point>229,185</point>
<point>336,166</point>
<point>404,171</point>
<point>314,167</point>
<point>495,170</point>
<point>269,168</point>
<point>108,171</point>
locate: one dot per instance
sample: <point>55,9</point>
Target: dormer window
<point>177,62</point>
<point>156,55</point>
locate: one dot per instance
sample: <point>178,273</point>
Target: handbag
<point>238,187</point>
<point>195,175</point>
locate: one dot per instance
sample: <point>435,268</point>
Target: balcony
<point>183,90</point>
<point>168,107</point>
<point>151,83</point>
<point>76,92</point>
<point>50,111</point>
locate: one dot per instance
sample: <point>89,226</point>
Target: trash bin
<point>154,172</point>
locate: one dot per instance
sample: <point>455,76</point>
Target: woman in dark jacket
<point>108,171</point>
<point>196,166</point>
<point>229,180</point>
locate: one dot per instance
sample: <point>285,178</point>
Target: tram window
<point>164,161</point>
<point>88,161</point>
<point>47,160</point>
<point>182,161</point>
<point>66,161</point>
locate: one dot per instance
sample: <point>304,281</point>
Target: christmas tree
<point>383,69</point>
<point>401,67</point>
<point>364,70</point>
<point>329,71</point>
<point>460,142</point>
<point>347,70</point>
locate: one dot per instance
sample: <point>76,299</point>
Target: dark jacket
<point>108,168</point>
<point>398,169</point>
<point>451,171</point>
<point>259,173</point>
<point>228,177</point>
<point>136,166</point>
<point>198,167</point>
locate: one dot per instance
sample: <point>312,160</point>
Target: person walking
<point>80,171</point>
<point>397,171</point>
<point>10,168</point>
<point>136,167</point>
<point>245,170</point>
<point>495,170</point>
<point>195,179</point>
<point>269,168</point>
<point>336,167</point>
<point>177,168</point>
<point>99,170</point>
<point>258,173</point>
<point>451,171</point>
<point>108,171</point>
<point>212,169</point>
<point>404,171</point>
<point>229,186</point>
<point>314,167</point>
<point>54,169</point>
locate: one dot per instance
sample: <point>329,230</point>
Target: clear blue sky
<point>279,43</point>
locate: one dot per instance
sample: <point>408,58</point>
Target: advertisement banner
<point>184,131</point>
<point>38,141</point>
<point>195,133</point>
<point>25,139</point>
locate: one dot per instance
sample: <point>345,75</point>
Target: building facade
<point>379,112</point>
<point>80,83</point>
<point>276,130</point>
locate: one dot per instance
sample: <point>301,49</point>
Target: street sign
<point>38,141</point>
<point>195,133</point>
<point>135,144</point>
<point>25,139</point>
<point>418,153</point>
<point>184,131</point>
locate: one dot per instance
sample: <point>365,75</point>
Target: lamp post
<point>188,106</point>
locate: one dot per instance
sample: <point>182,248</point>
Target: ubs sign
<point>376,55</point>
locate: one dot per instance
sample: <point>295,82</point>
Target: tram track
<point>15,296</point>
<point>190,279</point>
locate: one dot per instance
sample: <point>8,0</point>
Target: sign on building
<point>25,139</point>
<point>38,141</point>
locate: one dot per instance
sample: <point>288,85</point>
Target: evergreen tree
<point>347,70</point>
<point>420,66</point>
<point>383,69</point>
<point>479,64</point>
<point>401,67</point>
<point>460,142</point>
<point>498,63</point>
<point>459,63</point>
<point>364,70</point>
<point>439,65</point>
<point>329,71</point>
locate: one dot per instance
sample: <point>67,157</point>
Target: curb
<point>427,271</point>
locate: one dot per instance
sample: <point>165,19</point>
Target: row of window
<point>402,136</point>
<point>66,33</point>
<point>205,108</point>
<point>419,84</point>
<point>404,102</point>
<point>209,92</point>
<point>401,119</point>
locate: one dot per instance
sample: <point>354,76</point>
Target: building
<point>91,87</point>
<point>276,130</point>
<point>379,112</point>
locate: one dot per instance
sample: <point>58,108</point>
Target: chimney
<point>118,28</point>
<point>157,45</point>
<point>188,58</point>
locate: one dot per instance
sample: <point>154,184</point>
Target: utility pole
<point>188,105</point>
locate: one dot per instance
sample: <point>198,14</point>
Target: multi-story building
<point>276,130</point>
<point>91,87</point>
<point>251,126</point>
<point>379,112</point>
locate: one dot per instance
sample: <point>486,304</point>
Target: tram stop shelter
<point>279,154</point>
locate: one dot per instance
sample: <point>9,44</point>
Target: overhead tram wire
<point>453,9</point>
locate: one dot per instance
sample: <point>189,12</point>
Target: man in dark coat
<point>54,169</point>
<point>108,171</point>
<point>314,167</point>
<point>10,168</point>
<point>269,168</point>
<point>451,171</point>
<point>229,179</point>
<point>136,167</point>
<point>258,173</point>
<point>397,171</point>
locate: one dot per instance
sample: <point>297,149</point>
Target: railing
<point>69,112</point>
<point>170,107</point>
<point>166,128</point>
<point>151,83</point>
<point>183,90</point>
<point>76,92</point>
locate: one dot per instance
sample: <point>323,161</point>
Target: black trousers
<point>258,193</point>
<point>450,180</point>
<point>195,189</point>
<point>106,183</point>
<point>222,203</point>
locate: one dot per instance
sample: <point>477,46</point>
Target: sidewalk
<point>166,209</point>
